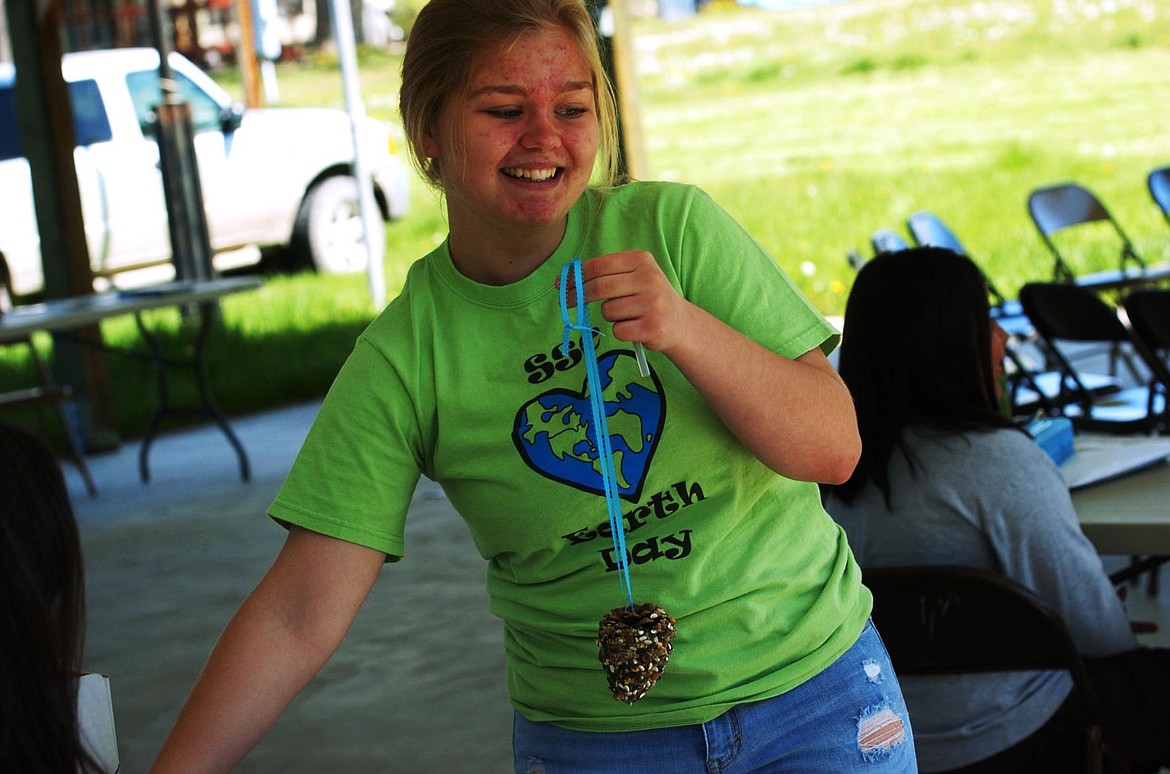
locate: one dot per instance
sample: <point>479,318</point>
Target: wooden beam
<point>246,54</point>
<point>46,127</point>
<point>626,84</point>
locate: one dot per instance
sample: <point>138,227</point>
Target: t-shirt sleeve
<point>724,269</point>
<point>356,472</point>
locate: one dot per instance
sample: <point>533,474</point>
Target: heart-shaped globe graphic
<point>557,437</point>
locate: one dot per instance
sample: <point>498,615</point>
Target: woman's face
<point>517,150</point>
<point>999,338</point>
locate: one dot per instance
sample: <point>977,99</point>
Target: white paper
<point>1098,458</point>
<point>95,718</point>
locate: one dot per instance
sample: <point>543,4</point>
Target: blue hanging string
<point>600,424</point>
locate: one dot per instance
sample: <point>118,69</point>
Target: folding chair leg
<point>1095,762</point>
<point>76,449</point>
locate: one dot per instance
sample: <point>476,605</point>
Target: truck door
<point>131,191</point>
<point>233,202</point>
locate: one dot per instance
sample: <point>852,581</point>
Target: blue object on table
<point>1055,436</point>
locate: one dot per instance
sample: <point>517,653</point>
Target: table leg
<point>1136,568</point>
<point>207,403</point>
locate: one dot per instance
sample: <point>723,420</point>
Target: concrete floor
<point>417,685</point>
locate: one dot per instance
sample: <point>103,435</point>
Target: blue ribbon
<point>600,424</point>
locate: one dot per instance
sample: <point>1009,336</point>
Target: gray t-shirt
<point>995,500</point>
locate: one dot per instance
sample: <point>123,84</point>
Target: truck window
<point>147,94</point>
<point>90,122</point>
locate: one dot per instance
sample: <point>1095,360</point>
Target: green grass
<point>812,127</point>
<point>817,127</point>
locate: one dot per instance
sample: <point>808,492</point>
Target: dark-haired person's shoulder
<point>1010,453</point>
<point>993,454</point>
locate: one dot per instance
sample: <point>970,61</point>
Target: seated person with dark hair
<point>945,478</point>
<point>42,612</point>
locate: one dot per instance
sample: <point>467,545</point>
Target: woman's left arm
<point>796,416</point>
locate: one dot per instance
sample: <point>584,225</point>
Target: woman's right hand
<point>635,296</point>
<point>284,632</point>
<point>795,415</point>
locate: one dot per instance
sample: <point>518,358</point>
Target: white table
<point>1130,515</point>
<point>1121,493</point>
<point>62,315</point>
<point>79,311</point>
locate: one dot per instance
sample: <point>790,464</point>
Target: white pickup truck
<point>270,177</point>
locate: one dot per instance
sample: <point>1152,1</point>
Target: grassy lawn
<point>817,127</point>
<point>813,127</point>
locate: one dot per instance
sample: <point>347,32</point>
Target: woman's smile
<point>535,175</point>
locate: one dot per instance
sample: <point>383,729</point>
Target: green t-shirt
<point>467,384</point>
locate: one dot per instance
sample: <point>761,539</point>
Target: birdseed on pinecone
<point>633,647</point>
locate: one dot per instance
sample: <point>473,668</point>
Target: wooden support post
<point>46,126</point>
<point>246,54</point>
<point>626,84</point>
<point>616,46</point>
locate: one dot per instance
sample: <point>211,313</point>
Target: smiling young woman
<point>766,656</point>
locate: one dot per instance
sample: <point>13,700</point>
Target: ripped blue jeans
<point>850,717</point>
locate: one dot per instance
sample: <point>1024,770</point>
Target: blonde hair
<point>450,39</point>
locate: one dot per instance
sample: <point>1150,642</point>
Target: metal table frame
<point>62,315</point>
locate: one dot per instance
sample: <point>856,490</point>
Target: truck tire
<point>327,233</point>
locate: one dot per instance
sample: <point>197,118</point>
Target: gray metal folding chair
<point>1066,315</point>
<point>886,240</point>
<point>937,620</point>
<point>1032,389</point>
<point>929,230</point>
<point>43,391</point>
<point>1159,185</point>
<point>1149,318</point>
<point>1059,208</point>
<point>46,392</point>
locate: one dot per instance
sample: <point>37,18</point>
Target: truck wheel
<point>327,234</point>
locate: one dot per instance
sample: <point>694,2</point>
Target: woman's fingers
<point>634,293</point>
<point>610,276</point>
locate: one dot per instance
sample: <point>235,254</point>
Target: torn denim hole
<point>873,670</point>
<point>535,765</point>
<point>879,730</point>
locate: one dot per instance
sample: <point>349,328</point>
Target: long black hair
<point>42,611</point>
<point>916,350</point>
